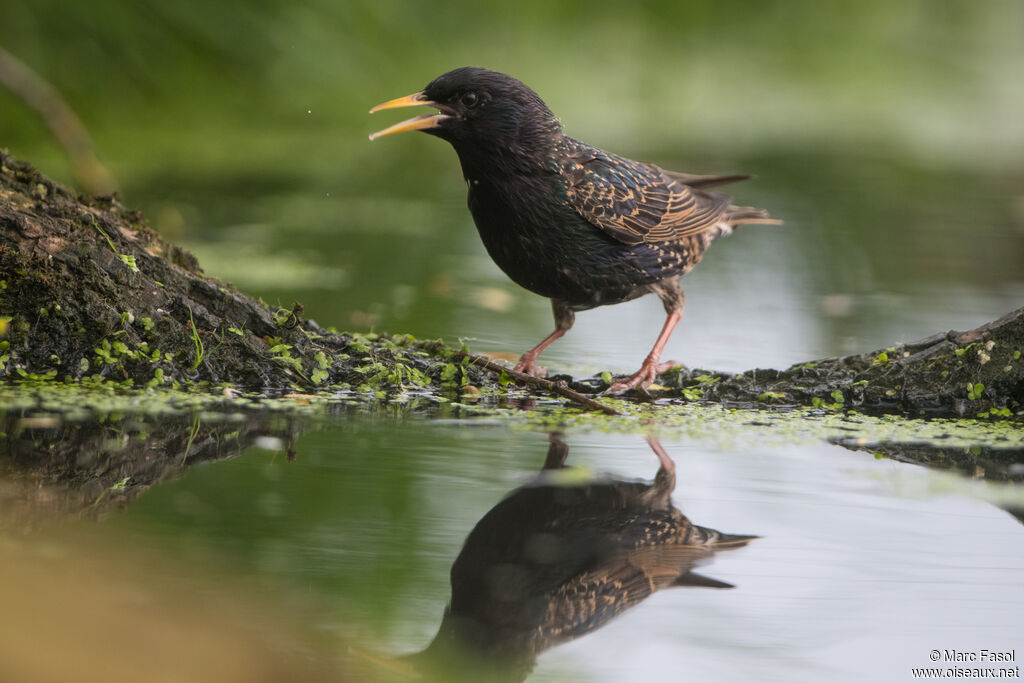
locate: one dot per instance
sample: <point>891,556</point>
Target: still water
<point>859,569</point>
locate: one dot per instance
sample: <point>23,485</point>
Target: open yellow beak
<point>415,123</point>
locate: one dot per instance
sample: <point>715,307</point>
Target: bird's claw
<point>530,366</point>
<point>642,378</point>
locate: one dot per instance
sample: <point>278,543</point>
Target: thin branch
<point>557,388</point>
<point>44,99</point>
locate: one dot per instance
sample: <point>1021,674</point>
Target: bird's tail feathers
<point>705,181</point>
<point>694,580</point>
<point>717,540</point>
<point>730,541</point>
<point>739,215</point>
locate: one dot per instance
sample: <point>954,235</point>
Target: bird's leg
<point>672,296</point>
<point>564,318</point>
<point>558,452</point>
<point>665,480</point>
<point>668,465</point>
<point>648,372</point>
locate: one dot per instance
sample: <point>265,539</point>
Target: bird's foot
<point>528,364</point>
<point>642,378</point>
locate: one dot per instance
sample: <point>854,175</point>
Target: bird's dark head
<point>477,109</point>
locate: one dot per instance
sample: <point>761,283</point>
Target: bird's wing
<point>635,202</point>
<point>588,600</point>
<point>705,181</point>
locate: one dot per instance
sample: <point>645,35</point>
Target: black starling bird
<point>565,220</point>
<point>558,559</point>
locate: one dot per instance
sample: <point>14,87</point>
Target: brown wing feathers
<point>636,203</point>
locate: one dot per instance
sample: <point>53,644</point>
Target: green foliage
<point>960,352</point>
<point>320,371</point>
<point>105,353</point>
<point>36,377</point>
<point>692,393</point>
<point>282,316</point>
<point>449,372</point>
<point>821,404</point>
<point>125,259</point>
<point>282,353</point>
<point>996,413</point>
<point>157,380</point>
<point>197,342</point>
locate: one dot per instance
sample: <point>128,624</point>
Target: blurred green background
<point>887,134</point>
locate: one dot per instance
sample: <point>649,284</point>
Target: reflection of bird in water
<point>559,558</point>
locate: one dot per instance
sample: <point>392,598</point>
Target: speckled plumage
<point>584,244</point>
<point>567,220</point>
<point>559,558</point>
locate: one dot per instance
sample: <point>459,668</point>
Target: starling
<point>559,558</point>
<point>571,222</point>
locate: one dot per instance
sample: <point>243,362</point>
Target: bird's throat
<point>501,162</point>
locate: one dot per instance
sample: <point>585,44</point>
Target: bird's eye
<point>470,99</point>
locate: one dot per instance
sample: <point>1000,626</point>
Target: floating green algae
<point>707,423</point>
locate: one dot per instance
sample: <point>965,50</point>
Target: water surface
<point>860,569</point>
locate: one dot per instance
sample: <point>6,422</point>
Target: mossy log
<point>88,292</point>
<point>952,374</point>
